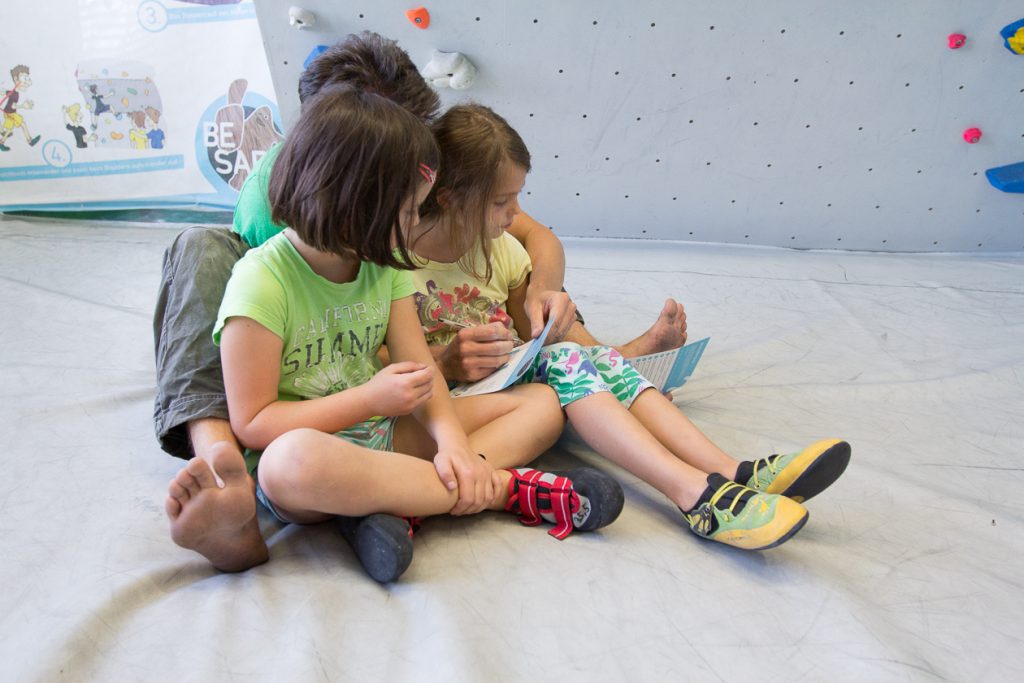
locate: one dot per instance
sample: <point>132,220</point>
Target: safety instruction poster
<point>120,103</point>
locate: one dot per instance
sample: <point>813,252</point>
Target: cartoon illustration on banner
<point>123,102</point>
<point>12,105</point>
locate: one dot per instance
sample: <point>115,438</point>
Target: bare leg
<point>312,476</point>
<point>581,335</point>
<point>618,435</point>
<point>667,332</point>
<point>680,436</point>
<point>217,519</point>
<point>510,428</point>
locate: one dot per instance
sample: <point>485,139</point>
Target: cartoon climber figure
<point>137,135</point>
<point>155,134</point>
<point>98,106</point>
<point>11,104</point>
<point>73,122</point>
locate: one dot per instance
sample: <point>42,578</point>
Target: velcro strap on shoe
<point>541,496</point>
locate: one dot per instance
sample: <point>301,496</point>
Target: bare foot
<point>667,332</point>
<point>217,519</point>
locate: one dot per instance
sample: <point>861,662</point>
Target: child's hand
<point>475,479</point>
<point>400,388</point>
<point>476,352</point>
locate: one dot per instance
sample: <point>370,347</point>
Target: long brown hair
<point>475,143</point>
<point>344,171</point>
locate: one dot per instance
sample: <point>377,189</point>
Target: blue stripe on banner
<point>197,15</point>
<point>165,163</point>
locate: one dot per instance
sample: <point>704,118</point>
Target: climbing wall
<point>795,123</point>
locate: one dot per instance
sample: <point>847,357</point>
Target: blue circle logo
<point>232,137</point>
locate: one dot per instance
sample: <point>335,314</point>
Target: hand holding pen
<point>476,351</point>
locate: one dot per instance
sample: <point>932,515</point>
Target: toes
<point>183,484</point>
<point>182,488</point>
<point>669,309</point>
<point>179,492</point>
<point>172,506</point>
<point>228,463</point>
<point>199,470</point>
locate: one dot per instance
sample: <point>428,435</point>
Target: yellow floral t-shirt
<point>445,292</point>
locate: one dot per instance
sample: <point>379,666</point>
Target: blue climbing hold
<point>313,54</point>
<point>1007,178</point>
<point>1013,37</point>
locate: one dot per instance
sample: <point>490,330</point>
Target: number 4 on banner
<point>56,153</point>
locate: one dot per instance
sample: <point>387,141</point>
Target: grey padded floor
<point>909,569</point>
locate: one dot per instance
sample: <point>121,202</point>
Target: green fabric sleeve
<point>252,211</point>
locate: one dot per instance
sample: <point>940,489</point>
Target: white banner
<point>121,103</point>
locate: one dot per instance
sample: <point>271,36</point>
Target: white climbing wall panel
<point>794,123</point>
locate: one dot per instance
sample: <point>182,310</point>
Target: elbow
<point>249,435</point>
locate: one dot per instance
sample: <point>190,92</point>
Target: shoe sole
<point>382,544</point>
<point>788,535</point>
<point>604,492</point>
<point>819,465</point>
<point>743,539</point>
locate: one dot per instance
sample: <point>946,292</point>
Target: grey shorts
<point>189,381</point>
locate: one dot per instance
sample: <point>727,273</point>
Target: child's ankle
<point>744,472</point>
<point>705,495</point>
<point>501,499</point>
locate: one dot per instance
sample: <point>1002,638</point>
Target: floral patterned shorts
<point>575,372</point>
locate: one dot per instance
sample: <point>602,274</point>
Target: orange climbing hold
<point>419,17</point>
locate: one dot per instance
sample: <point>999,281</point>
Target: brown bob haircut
<point>475,143</point>
<point>371,62</point>
<point>350,162</point>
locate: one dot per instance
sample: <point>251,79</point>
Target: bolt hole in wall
<point>748,122</point>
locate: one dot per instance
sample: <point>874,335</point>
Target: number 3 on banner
<point>152,16</point>
<point>56,153</point>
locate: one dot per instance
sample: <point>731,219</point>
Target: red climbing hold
<point>419,17</point>
<point>956,41</point>
<point>972,135</point>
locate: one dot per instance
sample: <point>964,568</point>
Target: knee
<point>290,461</point>
<point>202,250</point>
<point>539,395</point>
<point>547,416</point>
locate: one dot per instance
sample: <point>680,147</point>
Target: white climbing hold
<point>449,70</point>
<point>300,17</point>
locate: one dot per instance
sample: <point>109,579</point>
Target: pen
<point>454,323</point>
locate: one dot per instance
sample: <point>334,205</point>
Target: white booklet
<point>670,369</point>
<point>507,374</point>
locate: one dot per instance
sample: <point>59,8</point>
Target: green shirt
<point>252,212</point>
<point>331,331</point>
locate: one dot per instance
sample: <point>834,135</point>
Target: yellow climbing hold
<point>1016,41</point>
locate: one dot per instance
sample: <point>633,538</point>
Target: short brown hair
<point>474,143</point>
<point>369,61</point>
<point>17,71</point>
<point>345,170</point>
